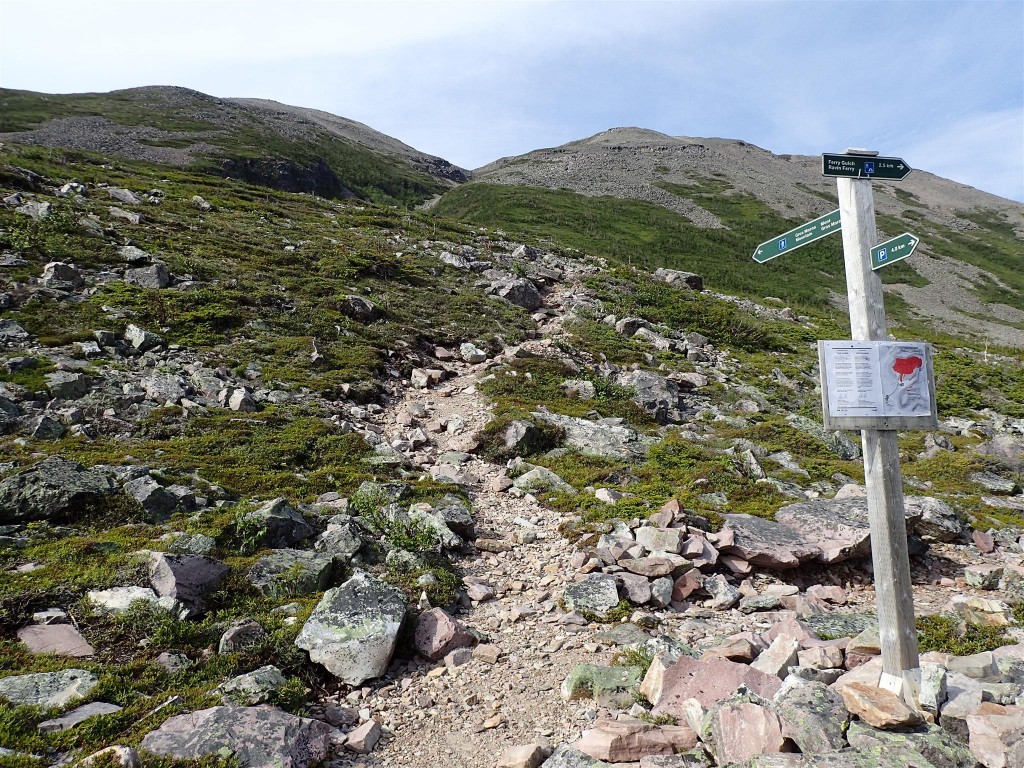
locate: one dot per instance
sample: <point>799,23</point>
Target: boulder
<point>768,544</point>
<point>812,716</point>
<point>737,730</point>
<point>437,634</point>
<point>658,396</point>
<point>274,525</point>
<point>933,744</point>
<point>62,276</point>
<point>595,595</point>
<point>359,309</point>
<point>120,599</point>
<point>353,630</point>
<point>292,573</point>
<point>997,741</point>
<point>186,578</point>
<point>710,681</point>
<point>612,687</point>
<point>142,340</point>
<point>48,689</point>
<point>605,438</point>
<point>363,739</point>
<point>242,634</point>
<point>778,657</point>
<point>252,688</point>
<point>154,276</point>
<point>157,502</point>
<point>53,489</point>
<point>523,756</point>
<point>678,279</point>
<point>258,737</point>
<point>627,740</point>
<point>542,479</point>
<point>68,385</point>
<point>457,515</point>
<point>878,707</point>
<point>521,292</point>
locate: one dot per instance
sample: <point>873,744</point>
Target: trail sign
<point>864,167</point>
<point>796,238</point>
<point>901,246</point>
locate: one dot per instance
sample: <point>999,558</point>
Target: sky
<point>938,83</point>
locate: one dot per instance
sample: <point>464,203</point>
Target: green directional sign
<point>796,238</point>
<point>884,254</point>
<point>864,167</point>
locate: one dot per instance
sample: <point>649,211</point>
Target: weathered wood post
<point>893,588</point>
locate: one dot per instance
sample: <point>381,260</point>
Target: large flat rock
<point>259,737</point>
<point>48,689</point>
<point>768,544</point>
<point>51,490</point>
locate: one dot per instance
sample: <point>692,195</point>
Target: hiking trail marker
<point>864,167</point>
<point>796,238</point>
<point>901,246</point>
<point>876,386</point>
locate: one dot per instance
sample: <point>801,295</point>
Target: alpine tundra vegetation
<point>319,449</point>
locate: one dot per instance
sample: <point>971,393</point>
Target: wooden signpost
<point>893,590</point>
<point>903,397</point>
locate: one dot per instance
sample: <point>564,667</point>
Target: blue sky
<point>940,84</point>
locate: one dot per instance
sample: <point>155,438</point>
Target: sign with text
<point>864,167</point>
<point>891,251</point>
<point>877,385</point>
<point>796,238</point>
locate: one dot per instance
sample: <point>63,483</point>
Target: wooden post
<point>893,588</point>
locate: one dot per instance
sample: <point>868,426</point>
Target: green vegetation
<point>238,135</point>
<point>948,634</point>
<point>645,235</point>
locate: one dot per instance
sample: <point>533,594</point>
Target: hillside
<point>255,140</point>
<point>702,205</point>
<point>288,479</point>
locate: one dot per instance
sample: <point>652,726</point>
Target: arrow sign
<point>796,238</point>
<point>864,167</point>
<point>901,246</point>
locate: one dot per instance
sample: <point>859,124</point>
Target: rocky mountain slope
<point>290,480</point>
<point>256,140</point>
<point>963,277</point>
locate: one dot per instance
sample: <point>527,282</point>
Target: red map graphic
<point>905,366</point>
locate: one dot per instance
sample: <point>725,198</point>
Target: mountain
<point>290,478</point>
<point>259,141</point>
<point>702,205</point>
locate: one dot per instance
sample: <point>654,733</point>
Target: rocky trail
<point>702,595</point>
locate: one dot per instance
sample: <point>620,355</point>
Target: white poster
<point>877,378</point>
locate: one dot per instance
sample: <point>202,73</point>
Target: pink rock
<point>363,739</point>
<point>710,681</point>
<point>997,741</point>
<point>525,756</point>
<point>736,564</point>
<point>438,634</point>
<point>878,707</point>
<point>623,741</point>
<point>793,628</point>
<point>734,649</point>
<point>686,585</point>
<point>984,542</point>
<point>61,639</point>
<point>651,567</point>
<point>831,594</point>
<point>742,730</point>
